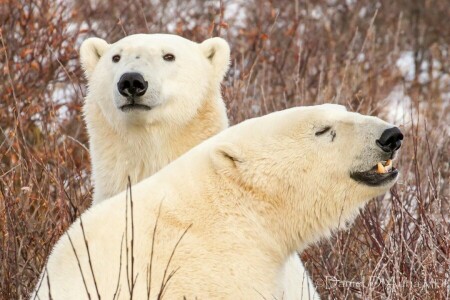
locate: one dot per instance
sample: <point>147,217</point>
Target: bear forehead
<point>305,118</point>
<point>155,40</point>
<point>324,112</point>
<point>332,113</point>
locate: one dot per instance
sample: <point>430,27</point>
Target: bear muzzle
<point>132,86</point>
<point>382,172</point>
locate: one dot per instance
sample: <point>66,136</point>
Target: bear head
<point>317,164</point>
<point>151,78</point>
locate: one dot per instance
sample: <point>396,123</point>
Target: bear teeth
<point>384,168</point>
<point>388,166</point>
<point>380,168</point>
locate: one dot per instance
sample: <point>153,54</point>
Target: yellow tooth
<point>388,166</point>
<point>380,168</point>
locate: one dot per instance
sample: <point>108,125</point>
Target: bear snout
<point>132,85</point>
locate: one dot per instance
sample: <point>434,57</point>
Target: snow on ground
<point>399,106</point>
<point>405,64</point>
<point>235,11</point>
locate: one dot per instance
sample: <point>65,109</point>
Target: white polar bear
<point>221,221</point>
<point>136,128</point>
<point>151,98</point>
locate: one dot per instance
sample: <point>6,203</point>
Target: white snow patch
<point>316,12</point>
<point>405,63</point>
<point>398,107</point>
<point>361,57</point>
<point>362,12</point>
<point>236,12</point>
<point>424,78</point>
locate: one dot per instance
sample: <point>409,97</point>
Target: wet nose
<point>390,140</point>
<point>132,84</point>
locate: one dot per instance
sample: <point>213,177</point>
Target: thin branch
<point>48,285</point>
<point>117,292</point>
<point>79,266</point>
<point>89,258</point>
<point>149,269</point>
<point>164,282</point>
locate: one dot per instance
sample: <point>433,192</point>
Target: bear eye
<point>323,130</point>
<point>169,57</point>
<point>116,58</point>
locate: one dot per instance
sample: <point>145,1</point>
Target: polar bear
<point>152,97</point>
<point>222,220</point>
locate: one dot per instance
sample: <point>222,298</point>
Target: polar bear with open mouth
<point>221,221</point>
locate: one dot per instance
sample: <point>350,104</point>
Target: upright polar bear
<point>242,202</point>
<point>151,98</point>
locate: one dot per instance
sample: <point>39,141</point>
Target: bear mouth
<point>134,106</point>
<point>380,174</point>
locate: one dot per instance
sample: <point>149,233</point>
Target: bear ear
<point>226,157</point>
<point>90,52</point>
<point>217,51</point>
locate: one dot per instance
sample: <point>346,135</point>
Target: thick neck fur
<point>280,224</point>
<point>142,151</point>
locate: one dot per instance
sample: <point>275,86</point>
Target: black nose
<point>390,140</point>
<point>132,84</point>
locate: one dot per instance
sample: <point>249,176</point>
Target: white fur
<point>184,94</point>
<point>247,198</point>
<point>189,110</point>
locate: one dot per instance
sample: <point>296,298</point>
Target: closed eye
<point>323,130</point>
<point>169,57</point>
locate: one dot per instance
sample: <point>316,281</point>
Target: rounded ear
<point>226,157</point>
<point>217,51</point>
<point>90,52</point>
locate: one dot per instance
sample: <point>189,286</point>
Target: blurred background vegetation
<point>385,58</point>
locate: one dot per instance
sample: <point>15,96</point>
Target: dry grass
<point>283,54</point>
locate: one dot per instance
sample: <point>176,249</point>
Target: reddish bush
<point>389,58</point>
